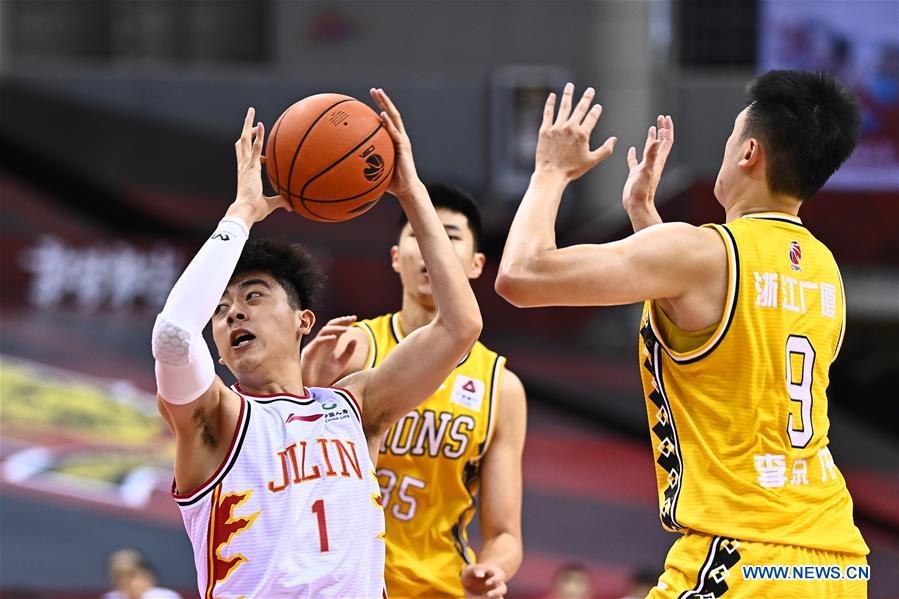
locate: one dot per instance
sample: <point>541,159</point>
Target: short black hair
<point>444,195</point>
<point>808,123</point>
<point>290,264</point>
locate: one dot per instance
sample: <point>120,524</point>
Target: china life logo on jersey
<point>795,255</point>
<point>332,413</point>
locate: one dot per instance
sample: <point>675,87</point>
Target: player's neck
<point>415,315</point>
<point>283,379</point>
<point>756,203</point>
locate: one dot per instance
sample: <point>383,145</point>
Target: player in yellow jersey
<point>741,324</point>
<point>466,440</point>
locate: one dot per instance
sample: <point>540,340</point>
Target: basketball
<point>330,156</point>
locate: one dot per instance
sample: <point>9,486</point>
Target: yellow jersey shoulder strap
<point>482,360</point>
<point>381,337</point>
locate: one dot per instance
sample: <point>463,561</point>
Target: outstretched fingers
<point>631,158</point>
<point>565,104</point>
<point>392,130</point>
<point>258,141</point>
<point>580,111</point>
<point>248,122</point>
<point>583,115</point>
<point>390,116</point>
<point>548,109</point>
<point>249,145</point>
<point>666,129</point>
<point>651,136</point>
<point>603,151</point>
<point>652,153</point>
<point>244,142</point>
<point>388,107</point>
<point>592,117</point>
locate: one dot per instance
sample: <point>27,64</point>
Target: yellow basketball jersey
<point>739,421</point>
<point>429,469</point>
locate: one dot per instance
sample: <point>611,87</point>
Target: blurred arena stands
<point>117,122</point>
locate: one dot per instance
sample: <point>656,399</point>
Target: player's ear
<point>478,260</point>
<point>395,258</point>
<point>752,153</point>
<point>305,322</point>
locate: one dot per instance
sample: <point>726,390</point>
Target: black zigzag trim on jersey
<point>460,543</point>
<point>669,459</point>
<point>471,476</point>
<point>711,581</point>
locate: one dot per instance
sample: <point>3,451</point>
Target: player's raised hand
<point>321,366</point>
<point>563,144</point>
<point>643,177</point>
<point>484,581</point>
<point>405,177</point>
<point>250,203</point>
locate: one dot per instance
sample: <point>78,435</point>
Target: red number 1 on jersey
<point>318,508</point>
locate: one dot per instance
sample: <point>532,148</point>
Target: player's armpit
<point>181,417</point>
<point>203,432</point>
<point>500,493</point>
<point>664,261</point>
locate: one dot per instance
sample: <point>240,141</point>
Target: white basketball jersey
<point>295,509</point>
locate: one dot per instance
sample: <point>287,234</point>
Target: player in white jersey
<point>275,480</point>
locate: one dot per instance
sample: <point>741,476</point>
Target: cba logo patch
<point>374,167</point>
<point>795,255</point>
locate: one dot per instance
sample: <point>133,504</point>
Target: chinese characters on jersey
<point>794,295</point>
<point>773,470</point>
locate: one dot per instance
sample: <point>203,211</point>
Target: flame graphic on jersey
<point>222,527</point>
<point>376,497</point>
<point>378,500</point>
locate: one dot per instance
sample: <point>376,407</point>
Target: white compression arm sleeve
<point>184,366</point>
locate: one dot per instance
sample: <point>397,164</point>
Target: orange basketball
<point>330,156</point>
